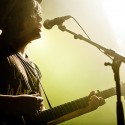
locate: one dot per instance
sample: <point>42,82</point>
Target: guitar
<point>43,117</point>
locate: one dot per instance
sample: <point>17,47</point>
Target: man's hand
<point>95,101</point>
<point>28,104</point>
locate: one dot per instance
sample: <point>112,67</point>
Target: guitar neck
<point>107,93</point>
<point>56,112</point>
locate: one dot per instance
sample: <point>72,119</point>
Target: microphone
<point>48,24</point>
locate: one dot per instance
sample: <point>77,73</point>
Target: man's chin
<point>36,34</point>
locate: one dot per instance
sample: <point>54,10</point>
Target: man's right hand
<point>28,103</point>
<point>25,104</point>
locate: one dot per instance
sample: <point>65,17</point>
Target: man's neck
<point>22,54</point>
<point>20,49</point>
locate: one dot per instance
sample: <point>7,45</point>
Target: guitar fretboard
<point>107,93</point>
<point>41,118</point>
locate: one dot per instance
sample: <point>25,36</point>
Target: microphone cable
<point>81,27</point>
<point>88,36</point>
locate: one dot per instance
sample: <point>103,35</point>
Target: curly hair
<point>22,10</point>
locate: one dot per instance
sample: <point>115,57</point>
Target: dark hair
<point>21,11</point>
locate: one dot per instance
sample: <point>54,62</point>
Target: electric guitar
<point>41,118</point>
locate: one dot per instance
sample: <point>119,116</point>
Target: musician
<point>20,87</point>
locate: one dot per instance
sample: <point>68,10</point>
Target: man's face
<point>32,27</point>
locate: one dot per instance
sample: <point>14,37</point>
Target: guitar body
<point>11,119</point>
<point>19,120</point>
<point>31,120</point>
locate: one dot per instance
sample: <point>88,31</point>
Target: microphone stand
<point>117,59</point>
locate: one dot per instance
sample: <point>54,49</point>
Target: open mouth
<point>39,25</point>
<point>36,31</point>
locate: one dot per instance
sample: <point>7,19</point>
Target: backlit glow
<point>115,12</point>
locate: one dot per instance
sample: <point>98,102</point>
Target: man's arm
<point>20,103</point>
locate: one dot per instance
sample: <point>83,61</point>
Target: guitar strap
<point>46,97</point>
<point>49,104</point>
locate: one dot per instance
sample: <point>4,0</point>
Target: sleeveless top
<point>17,74</point>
